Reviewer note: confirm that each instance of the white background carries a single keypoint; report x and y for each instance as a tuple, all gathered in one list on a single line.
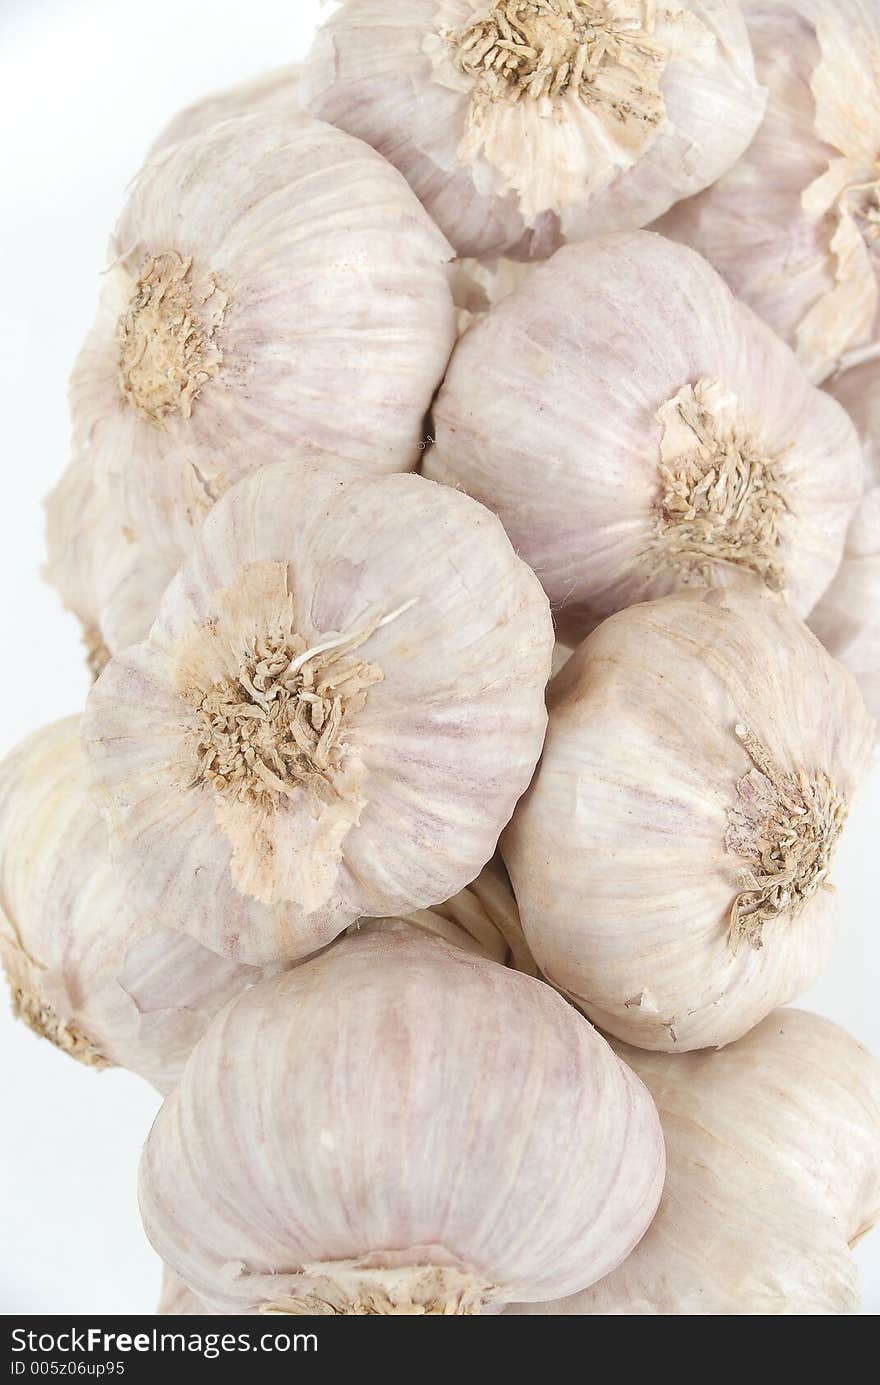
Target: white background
[(85, 85)]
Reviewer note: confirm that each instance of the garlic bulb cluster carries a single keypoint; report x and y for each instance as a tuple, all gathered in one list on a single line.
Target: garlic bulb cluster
[(438, 1135), (773, 1174), (253, 269), (672, 858), (334, 715), (631, 454), (478, 594), (521, 124), (795, 226), (847, 619), (100, 980), (276, 91)]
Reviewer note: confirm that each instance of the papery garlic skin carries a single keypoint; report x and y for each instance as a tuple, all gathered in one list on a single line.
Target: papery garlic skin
[(612, 111), (773, 1174), (275, 91), (482, 918), (629, 454), (672, 859), (795, 226), (478, 284), (85, 968), (561, 654), (254, 269), (847, 619), (176, 1300), (336, 711), (440, 1135)]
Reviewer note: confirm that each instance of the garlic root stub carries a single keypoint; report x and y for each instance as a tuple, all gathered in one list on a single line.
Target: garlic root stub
[(525, 123), (847, 619), (334, 715), (672, 860), (794, 227), (631, 453), (255, 269), (86, 969), (773, 1174), (425, 1132)]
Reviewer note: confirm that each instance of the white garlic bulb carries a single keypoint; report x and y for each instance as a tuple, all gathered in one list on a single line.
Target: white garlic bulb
[(254, 269), (773, 1175), (276, 91), (103, 982), (524, 123), (334, 715), (795, 226), (671, 859), (107, 577), (437, 1134), (847, 619), (629, 454)]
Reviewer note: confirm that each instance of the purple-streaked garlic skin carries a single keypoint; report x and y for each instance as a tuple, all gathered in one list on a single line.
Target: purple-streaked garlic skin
[(793, 225), (87, 969), (419, 739), (255, 267), (773, 1175), (518, 173), (847, 619), (430, 1132), (673, 858), (561, 411)]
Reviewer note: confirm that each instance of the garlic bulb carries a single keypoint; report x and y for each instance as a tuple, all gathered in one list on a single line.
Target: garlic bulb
[(524, 123), (276, 91), (671, 860), (255, 268), (795, 226), (847, 619), (85, 970), (334, 715), (109, 579), (773, 1174), (176, 1300), (432, 1134), (630, 454)]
